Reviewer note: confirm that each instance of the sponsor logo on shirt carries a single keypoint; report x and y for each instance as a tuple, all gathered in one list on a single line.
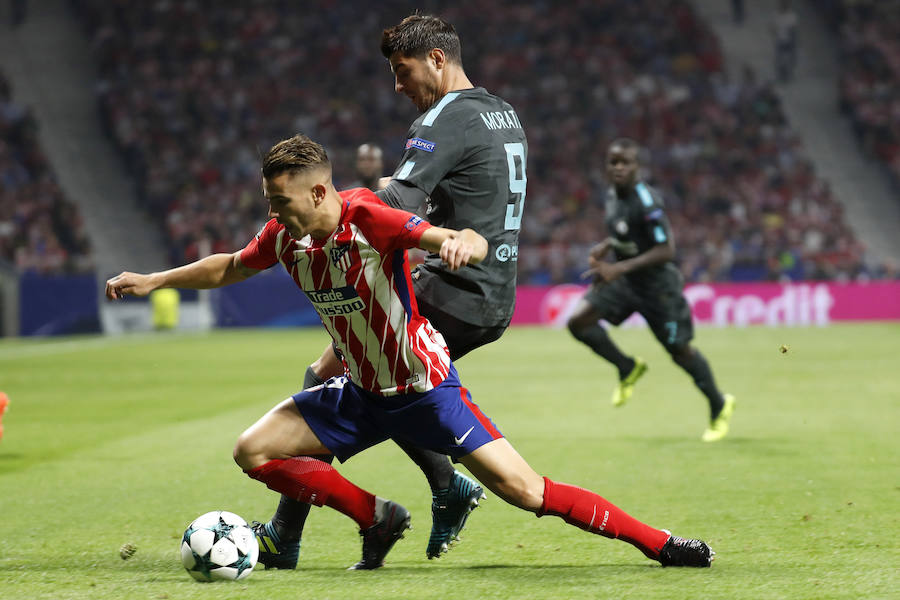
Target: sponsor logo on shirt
[(336, 301), (505, 252), (420, 144), (413, 222)]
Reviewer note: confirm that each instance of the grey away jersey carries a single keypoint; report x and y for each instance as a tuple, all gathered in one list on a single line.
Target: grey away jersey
[(639, 223), (468, 153)]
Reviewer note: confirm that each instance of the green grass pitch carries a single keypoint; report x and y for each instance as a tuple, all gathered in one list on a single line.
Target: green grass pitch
[(114, 441)]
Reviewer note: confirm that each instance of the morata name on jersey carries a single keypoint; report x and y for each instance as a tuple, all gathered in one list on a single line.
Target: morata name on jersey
[(336, 301), (501, 119)]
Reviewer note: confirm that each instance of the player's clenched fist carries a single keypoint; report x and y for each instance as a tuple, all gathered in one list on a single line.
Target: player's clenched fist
[(461, 248), (455, 253)]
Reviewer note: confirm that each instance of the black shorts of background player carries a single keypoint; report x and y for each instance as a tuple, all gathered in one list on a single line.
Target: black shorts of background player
[(642, 279), (463, 165)]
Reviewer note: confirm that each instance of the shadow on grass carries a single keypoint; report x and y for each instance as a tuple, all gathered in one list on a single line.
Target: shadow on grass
[(426, 568), (767, 446)]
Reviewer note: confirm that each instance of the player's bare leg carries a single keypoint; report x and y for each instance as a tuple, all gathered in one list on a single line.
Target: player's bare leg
[(454, 495), (499, 467), (279, 538), (275, 450)]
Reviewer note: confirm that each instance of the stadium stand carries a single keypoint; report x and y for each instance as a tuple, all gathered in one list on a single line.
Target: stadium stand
[(869, 85), (40, 230), (190, 92)]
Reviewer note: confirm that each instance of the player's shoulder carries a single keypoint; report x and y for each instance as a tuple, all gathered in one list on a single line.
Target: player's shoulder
[(610, 194), (367, 211), (358, 194), (649, 197), (461, 106), (271, 228), (611, 199), (362, 205), (477, 97)]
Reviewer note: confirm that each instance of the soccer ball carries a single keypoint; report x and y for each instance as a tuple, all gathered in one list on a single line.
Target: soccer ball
[(219, 545)]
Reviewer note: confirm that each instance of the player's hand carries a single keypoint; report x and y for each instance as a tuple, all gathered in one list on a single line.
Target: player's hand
[(128, 284), (604, 272), (456, 252), (461, 248), (624, 248)]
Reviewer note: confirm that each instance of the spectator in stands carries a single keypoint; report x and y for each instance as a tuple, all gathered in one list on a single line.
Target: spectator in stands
[(234, 79), (40, 231), (869, 86), (784, 32)]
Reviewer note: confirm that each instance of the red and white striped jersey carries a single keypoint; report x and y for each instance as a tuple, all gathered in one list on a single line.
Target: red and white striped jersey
[(358, 281)]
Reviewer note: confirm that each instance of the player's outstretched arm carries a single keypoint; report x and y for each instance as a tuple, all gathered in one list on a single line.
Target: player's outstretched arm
[(456, 248), (213, 271)]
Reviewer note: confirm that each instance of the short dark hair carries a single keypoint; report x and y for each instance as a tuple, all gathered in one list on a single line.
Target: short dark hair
[(417, 35), (626, 144), (294, 155)]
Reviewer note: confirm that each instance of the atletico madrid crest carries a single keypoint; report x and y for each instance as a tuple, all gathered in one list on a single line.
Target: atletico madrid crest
[(340, 258)]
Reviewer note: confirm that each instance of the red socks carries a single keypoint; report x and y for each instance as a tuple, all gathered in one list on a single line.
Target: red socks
[(585, 509), (315, 482)]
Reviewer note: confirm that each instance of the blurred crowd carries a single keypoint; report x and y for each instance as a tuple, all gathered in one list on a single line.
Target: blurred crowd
[(869, 86), (193, 92), (40, 230)]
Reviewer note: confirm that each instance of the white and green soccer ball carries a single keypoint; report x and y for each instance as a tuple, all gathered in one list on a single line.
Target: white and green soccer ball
[(219, 546)]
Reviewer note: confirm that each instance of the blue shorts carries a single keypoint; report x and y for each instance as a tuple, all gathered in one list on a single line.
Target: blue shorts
[(348, 419)]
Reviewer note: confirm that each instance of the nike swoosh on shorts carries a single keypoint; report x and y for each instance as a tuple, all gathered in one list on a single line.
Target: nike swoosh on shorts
[(459, 441)]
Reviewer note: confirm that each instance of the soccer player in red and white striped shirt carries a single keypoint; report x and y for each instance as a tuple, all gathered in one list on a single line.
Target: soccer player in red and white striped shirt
[(357, 278), (348, 255)]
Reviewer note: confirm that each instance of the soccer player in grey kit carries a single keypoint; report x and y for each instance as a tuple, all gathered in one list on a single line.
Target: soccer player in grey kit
[(464, 161), (642, 279)]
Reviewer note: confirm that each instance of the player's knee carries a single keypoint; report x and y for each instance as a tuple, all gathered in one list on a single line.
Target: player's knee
[(248, 453), (681, 354), (576, 327)]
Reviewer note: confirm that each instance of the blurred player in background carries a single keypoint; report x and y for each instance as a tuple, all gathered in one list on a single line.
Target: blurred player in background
[(464, 162), (642, 279), (369, 167), (347, 253)]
